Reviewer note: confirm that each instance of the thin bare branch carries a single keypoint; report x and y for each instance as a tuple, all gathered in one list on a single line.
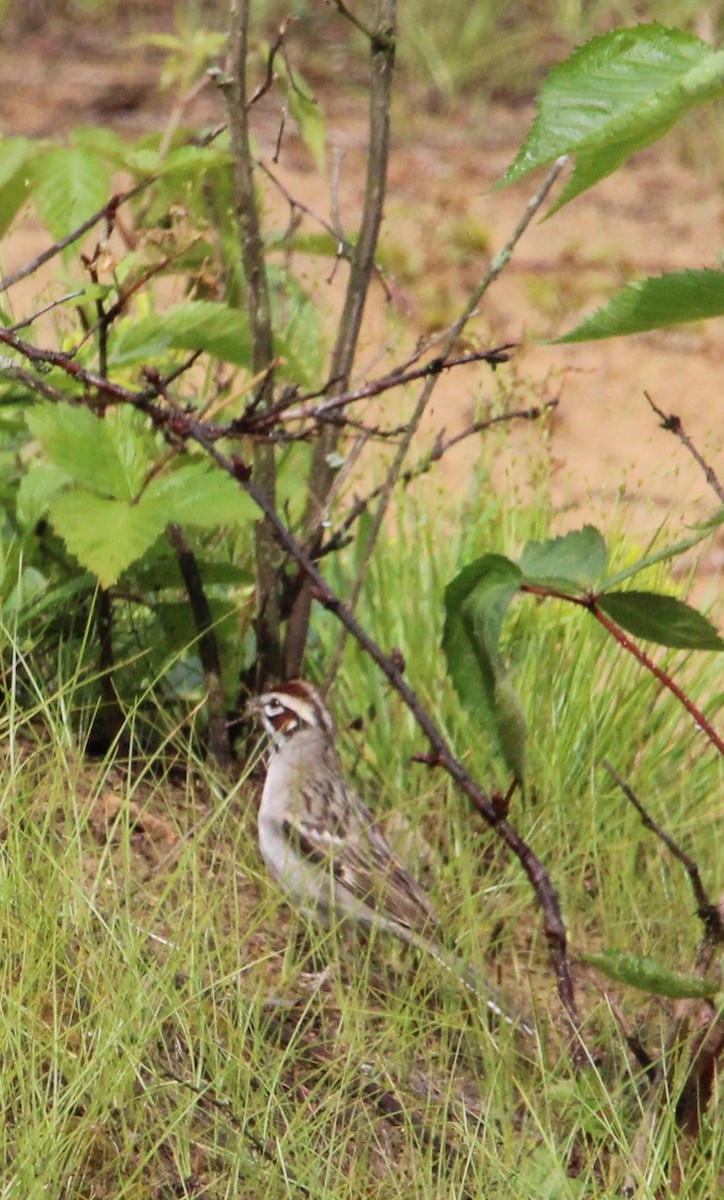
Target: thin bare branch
[(673, 425), (11, 370), (42, 311), (274, 49), (348, 15), (321, 478), (107, 213), (396, 378), (440, 447), (706, 909), (590, 603), (258, 304)]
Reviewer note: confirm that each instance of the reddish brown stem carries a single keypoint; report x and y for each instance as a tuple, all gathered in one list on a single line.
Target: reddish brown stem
[(591, 606)]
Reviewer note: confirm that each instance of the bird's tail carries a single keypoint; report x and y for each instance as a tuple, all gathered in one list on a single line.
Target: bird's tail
[(485, 992)]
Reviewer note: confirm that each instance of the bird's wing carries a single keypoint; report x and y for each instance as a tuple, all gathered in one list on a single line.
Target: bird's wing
[(344, 840)]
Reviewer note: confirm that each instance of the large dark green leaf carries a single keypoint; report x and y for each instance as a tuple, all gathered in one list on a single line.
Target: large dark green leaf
[(661, 619)]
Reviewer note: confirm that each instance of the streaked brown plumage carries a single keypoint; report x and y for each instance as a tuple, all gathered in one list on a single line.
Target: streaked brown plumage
[(322, 844)]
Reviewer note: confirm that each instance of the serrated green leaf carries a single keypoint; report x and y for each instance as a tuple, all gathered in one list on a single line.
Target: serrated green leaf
[(133, 442), (106, 536), (572, 562), (198, 494), (661, 619), (110, 456), (72, 184), (615, 95), (654, 303), (196, 325), (649, 976), (35, 492)]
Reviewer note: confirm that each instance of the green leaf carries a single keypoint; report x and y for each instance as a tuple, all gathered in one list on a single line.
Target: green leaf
[(615, 95), (196, 325), (309, 115), (108, 456), (101, 142), (198, 494), (35, 492), (476, 602), (468, 663), (28, 590), (300, 338), (133, 442), (72, 184), (106, 536), (187, 161), (649, 976), (661, 619), (654, 303), (573, 562), (322, 243), (14, 153), (13, 195), (511, 723)]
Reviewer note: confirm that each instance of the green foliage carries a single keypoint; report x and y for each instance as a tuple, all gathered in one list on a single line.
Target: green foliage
[(650, 976), (476, 601), (197, 325), (478, 598), (89, 490), (68, 186), (574, 562), (615, 95), (655, 303), (661, 619), (90, 487)]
